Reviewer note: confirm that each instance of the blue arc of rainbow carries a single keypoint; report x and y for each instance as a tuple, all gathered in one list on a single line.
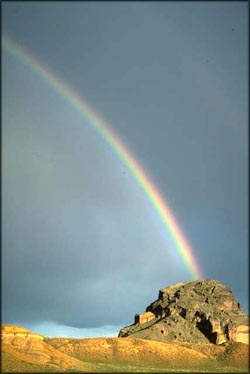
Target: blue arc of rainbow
[(107, 133)]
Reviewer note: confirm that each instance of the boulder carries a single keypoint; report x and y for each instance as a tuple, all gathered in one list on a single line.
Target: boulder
[(201, 311)]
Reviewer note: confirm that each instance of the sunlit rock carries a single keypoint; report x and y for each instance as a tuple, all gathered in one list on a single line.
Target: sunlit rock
[(199, 311)]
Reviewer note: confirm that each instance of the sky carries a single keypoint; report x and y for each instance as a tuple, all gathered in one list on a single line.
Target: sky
[(83, 248)]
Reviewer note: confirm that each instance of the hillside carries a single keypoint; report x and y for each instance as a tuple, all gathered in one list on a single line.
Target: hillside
[(25, 351)]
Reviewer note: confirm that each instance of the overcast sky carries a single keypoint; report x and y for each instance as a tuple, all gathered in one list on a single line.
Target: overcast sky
[(82, 247)]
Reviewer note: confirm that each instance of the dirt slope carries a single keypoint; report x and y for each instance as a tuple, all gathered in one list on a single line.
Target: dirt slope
[(130, 351), (24, 351)]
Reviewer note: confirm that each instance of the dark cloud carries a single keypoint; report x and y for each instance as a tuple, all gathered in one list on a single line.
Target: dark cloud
[(75, 260), (82, 245)]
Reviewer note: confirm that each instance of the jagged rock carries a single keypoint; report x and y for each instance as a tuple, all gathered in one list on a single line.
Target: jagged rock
[(199, 311)]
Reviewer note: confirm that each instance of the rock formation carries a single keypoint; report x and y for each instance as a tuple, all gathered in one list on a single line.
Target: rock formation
[(24, 351), (199, 311), (18, 335)]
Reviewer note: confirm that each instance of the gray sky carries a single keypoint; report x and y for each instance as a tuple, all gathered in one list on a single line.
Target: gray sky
[(82, 246)]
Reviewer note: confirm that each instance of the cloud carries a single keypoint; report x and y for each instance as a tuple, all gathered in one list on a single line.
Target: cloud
[(81, 244)]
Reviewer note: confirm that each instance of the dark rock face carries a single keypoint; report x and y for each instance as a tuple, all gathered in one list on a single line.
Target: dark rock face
[(199, 311)]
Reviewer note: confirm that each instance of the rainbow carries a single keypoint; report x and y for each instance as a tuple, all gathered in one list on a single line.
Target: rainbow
[(105, 131)]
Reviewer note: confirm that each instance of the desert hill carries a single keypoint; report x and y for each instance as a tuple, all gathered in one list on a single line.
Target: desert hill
[(25, 351), (199, 312)]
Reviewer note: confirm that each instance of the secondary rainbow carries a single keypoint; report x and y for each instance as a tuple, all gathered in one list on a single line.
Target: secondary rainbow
[(116, 143)]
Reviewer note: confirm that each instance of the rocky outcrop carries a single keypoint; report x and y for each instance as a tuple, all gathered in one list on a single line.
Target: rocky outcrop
[(199, 311), (24, 351), (19, 336)]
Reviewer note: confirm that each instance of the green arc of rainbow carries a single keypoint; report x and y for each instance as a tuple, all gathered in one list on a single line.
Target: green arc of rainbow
[(117, 145)]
